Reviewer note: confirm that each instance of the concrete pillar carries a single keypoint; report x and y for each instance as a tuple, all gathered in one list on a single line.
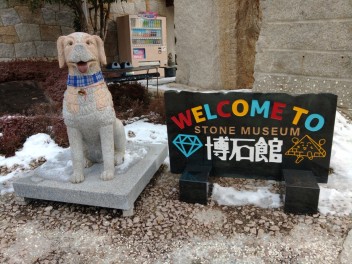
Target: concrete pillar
[(216, 42), (197, 43)]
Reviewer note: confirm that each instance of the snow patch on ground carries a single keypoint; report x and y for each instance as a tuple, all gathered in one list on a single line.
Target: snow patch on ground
[(36, 146), (261, 198), (146, 132), (335, 196)]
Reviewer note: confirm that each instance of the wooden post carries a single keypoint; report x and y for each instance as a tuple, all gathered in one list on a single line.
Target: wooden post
[(147, 5)]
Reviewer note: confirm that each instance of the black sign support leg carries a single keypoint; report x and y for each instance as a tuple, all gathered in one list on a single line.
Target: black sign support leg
[(301, 192), (194, 185)]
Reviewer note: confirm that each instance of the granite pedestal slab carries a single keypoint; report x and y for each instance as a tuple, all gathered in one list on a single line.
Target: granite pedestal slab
[(51, 181)]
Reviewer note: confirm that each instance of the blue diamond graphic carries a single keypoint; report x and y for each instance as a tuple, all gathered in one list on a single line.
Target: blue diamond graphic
[(187, 144)]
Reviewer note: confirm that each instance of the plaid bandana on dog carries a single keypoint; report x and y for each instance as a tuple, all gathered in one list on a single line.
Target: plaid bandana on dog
[(85, 80)]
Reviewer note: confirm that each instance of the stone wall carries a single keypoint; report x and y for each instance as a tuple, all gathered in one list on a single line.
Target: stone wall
[(306, 46), (24, 34), (216, 42)]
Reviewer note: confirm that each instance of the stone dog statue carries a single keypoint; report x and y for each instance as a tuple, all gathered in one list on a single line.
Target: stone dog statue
[(94, 132)]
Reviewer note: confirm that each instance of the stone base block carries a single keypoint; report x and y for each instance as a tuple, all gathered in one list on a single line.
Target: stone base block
[(194, 186), (118, 193), (302, 192)]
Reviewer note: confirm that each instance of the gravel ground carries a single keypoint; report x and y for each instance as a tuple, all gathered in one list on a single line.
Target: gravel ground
[(165, 230)]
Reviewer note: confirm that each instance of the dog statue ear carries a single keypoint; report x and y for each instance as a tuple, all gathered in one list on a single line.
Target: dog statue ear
[(60, 51), (101, 50)]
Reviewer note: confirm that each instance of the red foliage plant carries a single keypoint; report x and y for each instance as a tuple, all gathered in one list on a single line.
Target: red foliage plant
[(16, 129), (130, 100), (43, 118), (51, 78), (59, 132)]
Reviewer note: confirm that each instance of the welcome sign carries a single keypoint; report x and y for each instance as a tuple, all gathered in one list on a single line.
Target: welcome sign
[(253, 135)]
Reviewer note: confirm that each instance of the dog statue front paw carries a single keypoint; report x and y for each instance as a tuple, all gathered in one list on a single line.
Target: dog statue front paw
[(119, 158), (77, 177), (107, 175), (88, 163)]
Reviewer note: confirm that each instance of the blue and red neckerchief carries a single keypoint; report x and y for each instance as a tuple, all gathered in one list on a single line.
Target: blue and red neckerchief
[(84, 80)]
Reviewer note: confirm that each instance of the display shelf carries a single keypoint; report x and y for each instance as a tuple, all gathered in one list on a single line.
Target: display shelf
[(146, 23), (145, 28), (146, 33), (146, 42), (146, 37)]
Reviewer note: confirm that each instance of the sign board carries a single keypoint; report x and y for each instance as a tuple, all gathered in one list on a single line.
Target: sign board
[(150, 15), (139, 53), (251, 135)]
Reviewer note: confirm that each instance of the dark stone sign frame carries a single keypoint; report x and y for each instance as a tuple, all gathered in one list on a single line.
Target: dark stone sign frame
[(250, 135)]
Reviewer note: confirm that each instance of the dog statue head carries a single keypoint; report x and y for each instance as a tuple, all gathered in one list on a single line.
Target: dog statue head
[(82, 53)]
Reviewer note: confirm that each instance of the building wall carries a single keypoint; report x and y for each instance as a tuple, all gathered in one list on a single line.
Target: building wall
[(305, 46), (24, 34)]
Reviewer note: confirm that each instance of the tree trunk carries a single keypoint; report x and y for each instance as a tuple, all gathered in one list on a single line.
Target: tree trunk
[(76, 5), (83, 21), (94, 20), (101, 28), (107, 14)]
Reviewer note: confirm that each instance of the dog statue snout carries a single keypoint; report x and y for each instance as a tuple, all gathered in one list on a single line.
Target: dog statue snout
[(80, 53)]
